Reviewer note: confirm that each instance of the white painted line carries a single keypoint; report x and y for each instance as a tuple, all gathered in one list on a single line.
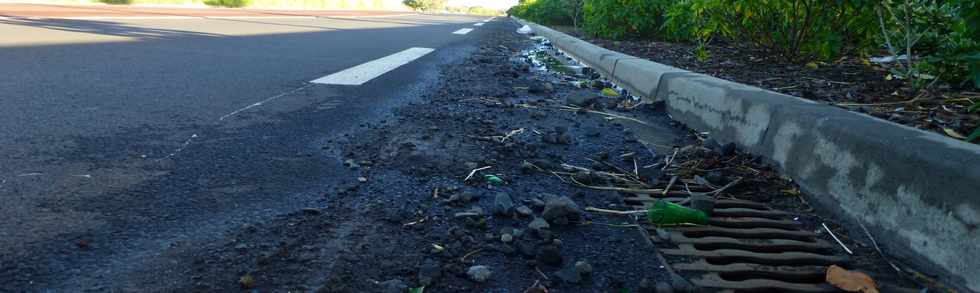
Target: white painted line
[(360, 74), (463, 31), (478, 24)]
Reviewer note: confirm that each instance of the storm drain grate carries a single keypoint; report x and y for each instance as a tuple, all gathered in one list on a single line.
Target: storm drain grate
[(747, 247)]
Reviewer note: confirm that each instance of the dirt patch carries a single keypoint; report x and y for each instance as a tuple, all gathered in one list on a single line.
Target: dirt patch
[(479, 188)]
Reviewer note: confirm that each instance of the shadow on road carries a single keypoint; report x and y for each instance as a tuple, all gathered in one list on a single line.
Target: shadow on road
[(104, 28)]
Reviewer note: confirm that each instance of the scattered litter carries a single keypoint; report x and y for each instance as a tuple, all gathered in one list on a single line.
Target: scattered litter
[(493, 179), (667, 213), (850, 281), (610, 92), (888, 59), (835, 238), (525, 30)]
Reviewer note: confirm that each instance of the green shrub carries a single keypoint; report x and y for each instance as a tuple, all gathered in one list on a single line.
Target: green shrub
[(117, 1), (552, 12), (426, 5), (621, 19), (941, 38), (228, 3)]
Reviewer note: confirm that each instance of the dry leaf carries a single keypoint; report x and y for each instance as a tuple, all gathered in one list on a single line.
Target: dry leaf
[(850, 281), (953, 133)]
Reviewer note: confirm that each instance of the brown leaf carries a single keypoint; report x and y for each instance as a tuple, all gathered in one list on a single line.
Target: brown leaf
[(850, 281)]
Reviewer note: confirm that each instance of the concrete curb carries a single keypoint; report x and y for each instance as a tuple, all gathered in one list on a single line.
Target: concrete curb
[(918, 192)]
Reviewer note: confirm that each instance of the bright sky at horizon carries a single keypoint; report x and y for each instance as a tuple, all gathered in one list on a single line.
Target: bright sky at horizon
[(495, 4)]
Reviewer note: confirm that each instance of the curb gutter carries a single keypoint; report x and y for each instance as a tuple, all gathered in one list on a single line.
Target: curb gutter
[(918, 192)]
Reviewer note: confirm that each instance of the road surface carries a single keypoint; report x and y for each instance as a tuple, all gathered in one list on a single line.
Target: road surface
[(127, 137)]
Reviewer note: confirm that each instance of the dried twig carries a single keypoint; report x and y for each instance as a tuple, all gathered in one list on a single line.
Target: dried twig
[(610, 115), (670, 159), (913, 100), (723, 188), (463, 259), (511, 133), (875, 244), (835, 238), (669, 185), (474, 172), (621, 189), (614, 212)]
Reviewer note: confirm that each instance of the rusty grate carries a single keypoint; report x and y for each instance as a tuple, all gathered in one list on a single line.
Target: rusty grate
[(747, 247)]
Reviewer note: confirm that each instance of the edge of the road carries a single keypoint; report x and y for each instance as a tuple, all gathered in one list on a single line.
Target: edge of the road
[(916, 191)]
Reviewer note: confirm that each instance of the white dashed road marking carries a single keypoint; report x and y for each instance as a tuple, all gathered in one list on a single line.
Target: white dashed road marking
[(360, 74), (478, 24), (463, 31)]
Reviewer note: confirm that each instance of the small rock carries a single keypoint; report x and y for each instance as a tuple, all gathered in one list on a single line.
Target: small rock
[(549, 254), (479, 274), (503, 205), (581, 98), (561, 210), (526, 249), (524, 211), (311, 211), (246, 282), (506, 238), (568, 276), (583, 268), (429, 272), (393, 286), (538, 225), (543, 87), (536, 203)]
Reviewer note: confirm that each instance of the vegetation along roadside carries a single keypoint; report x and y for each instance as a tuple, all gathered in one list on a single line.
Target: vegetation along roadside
[(914, 62)]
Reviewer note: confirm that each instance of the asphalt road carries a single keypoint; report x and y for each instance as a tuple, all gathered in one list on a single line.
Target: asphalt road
[(125, 142)]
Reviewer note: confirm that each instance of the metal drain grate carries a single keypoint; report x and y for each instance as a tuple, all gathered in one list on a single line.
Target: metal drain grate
[(748, 247)]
